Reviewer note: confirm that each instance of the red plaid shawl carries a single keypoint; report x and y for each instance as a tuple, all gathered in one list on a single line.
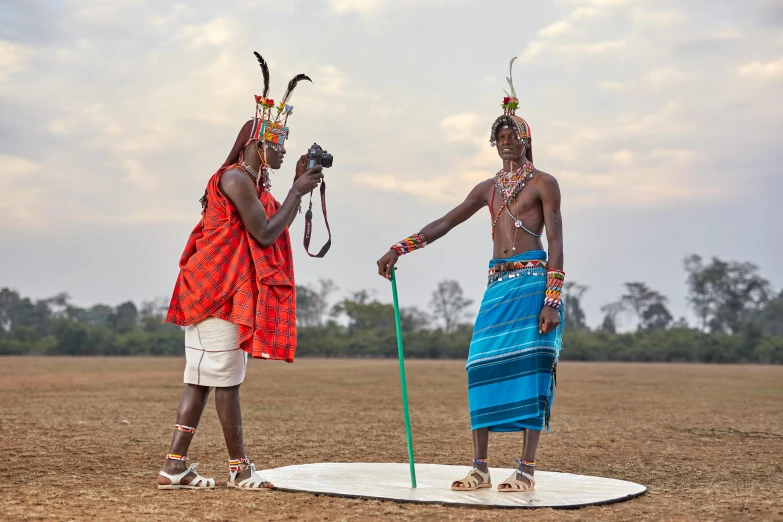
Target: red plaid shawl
[(225, 273)]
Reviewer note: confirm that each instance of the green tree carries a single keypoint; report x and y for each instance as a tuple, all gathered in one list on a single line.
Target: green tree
[(612, 313), (647, 305), (575, 318), (449, 304), (771, 318), (306, 308), (725, 295), (125, 318), (100, 314), (312, 303)]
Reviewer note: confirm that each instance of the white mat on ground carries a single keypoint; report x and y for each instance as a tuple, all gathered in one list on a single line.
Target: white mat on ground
[(392, 482)]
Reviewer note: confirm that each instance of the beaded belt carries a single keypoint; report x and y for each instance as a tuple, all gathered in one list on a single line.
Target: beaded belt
[(496, 273)]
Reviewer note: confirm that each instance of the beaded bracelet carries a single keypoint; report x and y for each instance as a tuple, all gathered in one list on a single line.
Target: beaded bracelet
[(409, 244), (554, 288)]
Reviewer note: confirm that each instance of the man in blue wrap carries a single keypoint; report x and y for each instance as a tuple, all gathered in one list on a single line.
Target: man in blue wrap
[(517, 337)]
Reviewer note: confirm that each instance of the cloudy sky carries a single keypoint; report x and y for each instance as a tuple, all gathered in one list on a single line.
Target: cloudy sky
[(661, 120)]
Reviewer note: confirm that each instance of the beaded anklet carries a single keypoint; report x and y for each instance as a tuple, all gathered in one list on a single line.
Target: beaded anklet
[(184, 429), (238, 464), (174, 456)]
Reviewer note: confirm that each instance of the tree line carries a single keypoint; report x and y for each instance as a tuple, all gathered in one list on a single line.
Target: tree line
[(739, 319)]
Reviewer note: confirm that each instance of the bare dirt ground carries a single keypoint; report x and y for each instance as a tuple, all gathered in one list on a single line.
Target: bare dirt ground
[(704, 439)]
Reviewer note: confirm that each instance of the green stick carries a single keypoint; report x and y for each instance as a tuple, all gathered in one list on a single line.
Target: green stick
[(402, 379)]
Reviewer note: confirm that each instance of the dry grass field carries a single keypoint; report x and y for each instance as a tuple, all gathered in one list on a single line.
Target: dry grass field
[(706, 440)]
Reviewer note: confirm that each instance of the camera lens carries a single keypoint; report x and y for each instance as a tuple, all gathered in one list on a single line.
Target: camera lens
[(327, 161)]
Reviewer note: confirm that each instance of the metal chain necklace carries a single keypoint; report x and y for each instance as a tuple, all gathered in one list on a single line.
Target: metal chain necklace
[(510, 184), (518, 224), (516, 229), (255, 175)]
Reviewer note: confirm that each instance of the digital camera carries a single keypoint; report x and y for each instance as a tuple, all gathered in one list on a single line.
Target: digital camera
[(316, 156)]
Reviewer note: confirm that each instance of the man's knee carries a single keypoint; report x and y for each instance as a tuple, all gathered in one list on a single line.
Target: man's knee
[(227, 391)]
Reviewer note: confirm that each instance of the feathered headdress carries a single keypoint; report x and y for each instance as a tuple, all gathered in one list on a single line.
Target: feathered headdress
[(270, 122), (510, 105)]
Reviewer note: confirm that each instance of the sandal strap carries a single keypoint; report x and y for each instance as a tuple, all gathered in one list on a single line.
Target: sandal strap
[(529, 477), (470, 479), (517, 484), (198, 481), (254, 481)]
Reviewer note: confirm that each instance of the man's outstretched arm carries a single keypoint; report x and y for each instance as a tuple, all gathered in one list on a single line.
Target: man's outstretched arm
[(442, 226)]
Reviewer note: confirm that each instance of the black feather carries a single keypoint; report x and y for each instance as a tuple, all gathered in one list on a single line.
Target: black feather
[(265, 72), (292, 84)]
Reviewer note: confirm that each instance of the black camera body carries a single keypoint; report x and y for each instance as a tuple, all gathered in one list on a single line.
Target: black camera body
[(316, 156)]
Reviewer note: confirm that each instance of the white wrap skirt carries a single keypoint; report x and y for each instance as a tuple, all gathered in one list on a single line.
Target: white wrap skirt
[(212, 354)]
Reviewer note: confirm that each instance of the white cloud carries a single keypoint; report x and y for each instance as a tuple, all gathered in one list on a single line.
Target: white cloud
[(606, 3), (439, 189), (560, 150), (12, 57), (728, 33), (762, 69), (100, 12), (556, 29), (460, 127), (139, 176), (173, 16), (660, 18), (537, 47), (13, 166), (585, 12), (363, 7), (665, 121), (59, 126), (623, 157), (611, 86), (533, 49), (663, 77), (22, 200), (681, 157), (591, 48), (217, 32), (149, 215), (330, 80)]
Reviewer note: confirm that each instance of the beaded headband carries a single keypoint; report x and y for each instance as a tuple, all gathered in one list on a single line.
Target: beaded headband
[(271, 121), (510, 105)]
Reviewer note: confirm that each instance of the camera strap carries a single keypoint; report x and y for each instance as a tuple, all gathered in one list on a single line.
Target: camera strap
[(309, 224)]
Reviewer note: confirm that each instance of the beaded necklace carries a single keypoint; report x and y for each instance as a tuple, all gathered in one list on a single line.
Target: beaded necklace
[(255, 175), (509, 184)]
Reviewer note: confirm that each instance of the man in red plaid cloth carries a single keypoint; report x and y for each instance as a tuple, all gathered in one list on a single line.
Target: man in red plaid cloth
[(235, 294)]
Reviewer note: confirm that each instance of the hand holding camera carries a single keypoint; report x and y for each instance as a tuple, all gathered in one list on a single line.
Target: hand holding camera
[(309, 169), (306, 181)]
